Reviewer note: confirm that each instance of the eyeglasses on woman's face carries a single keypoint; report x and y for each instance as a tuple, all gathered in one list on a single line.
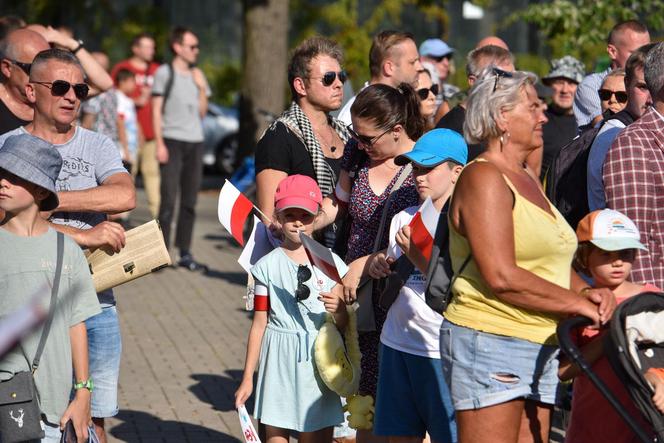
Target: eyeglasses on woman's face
[(364, 140)]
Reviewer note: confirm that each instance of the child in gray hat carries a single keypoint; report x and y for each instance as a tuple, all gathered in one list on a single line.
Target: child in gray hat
[(29, 167)]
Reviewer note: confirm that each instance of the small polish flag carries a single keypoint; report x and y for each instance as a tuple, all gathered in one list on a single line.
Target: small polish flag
[(320, 256), (423, 227), (259, 244), (233, 210)]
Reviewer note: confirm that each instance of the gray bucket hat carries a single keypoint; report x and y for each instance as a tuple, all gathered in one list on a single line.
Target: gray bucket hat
[(35, 160), (567, 67)]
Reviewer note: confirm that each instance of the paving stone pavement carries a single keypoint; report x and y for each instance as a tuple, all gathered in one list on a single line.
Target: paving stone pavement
[(184, 337)]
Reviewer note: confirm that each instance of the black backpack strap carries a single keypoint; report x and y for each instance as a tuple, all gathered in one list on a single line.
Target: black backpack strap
[(54, 296)]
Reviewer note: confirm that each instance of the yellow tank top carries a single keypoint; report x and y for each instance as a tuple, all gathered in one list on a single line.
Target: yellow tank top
[(543, 245)]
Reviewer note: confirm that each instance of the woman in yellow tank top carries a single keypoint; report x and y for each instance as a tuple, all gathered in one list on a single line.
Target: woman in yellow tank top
[(498, 342)]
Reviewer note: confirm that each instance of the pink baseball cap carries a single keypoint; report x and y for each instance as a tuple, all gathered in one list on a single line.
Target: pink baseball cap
[(298, 191)]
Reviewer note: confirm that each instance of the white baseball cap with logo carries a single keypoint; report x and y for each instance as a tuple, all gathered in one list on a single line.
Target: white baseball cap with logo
[(609, 230)]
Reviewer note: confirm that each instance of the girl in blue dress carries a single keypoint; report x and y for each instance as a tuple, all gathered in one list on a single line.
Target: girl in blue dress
[(290, 305)]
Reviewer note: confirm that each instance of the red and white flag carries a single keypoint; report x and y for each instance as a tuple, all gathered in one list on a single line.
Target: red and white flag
[(233, 210), (260, 243), (320, 256), (423, 227)]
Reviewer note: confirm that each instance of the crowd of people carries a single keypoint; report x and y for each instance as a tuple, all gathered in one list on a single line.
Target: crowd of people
[(485, 365)]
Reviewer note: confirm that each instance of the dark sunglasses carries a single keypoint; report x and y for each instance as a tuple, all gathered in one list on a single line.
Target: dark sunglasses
[(424, 92), (303, 274), (364, 140), (605, 94), (329, 77), (499, 73), (440, 58), (25, 67), (60, 87)]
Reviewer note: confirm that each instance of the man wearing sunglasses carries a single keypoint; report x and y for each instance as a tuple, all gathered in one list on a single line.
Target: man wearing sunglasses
[(563, 78), (179, 102), (92, 183), (638, 102), (393, 59), (18, 50), (305, 139)]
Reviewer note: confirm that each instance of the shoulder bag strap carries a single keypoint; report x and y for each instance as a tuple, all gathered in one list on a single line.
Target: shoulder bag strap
[(54, 296), (403, 175), (454, 277)]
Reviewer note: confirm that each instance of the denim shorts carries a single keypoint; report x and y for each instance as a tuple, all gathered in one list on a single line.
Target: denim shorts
[(105, 349), (412, 398), (485, 369)]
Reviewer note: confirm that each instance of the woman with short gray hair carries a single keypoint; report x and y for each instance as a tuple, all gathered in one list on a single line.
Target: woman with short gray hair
[(511, 252)]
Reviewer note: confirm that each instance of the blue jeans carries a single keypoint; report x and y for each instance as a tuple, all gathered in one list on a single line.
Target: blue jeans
[(105, 349), (485, 369)]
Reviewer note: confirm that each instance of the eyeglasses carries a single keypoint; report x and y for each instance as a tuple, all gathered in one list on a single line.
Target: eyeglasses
[(329, 77), (25, 67), (60, 87), (364, 140), (424, 92), (499, 73), (605, 94), (303, 274)]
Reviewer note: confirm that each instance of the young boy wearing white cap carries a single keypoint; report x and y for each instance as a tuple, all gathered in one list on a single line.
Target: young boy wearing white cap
[(608, 244), (31, 249)]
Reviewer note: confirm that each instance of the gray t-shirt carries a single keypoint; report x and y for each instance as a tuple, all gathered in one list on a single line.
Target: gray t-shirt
[(27, 269), (88, 159), (180, 119)]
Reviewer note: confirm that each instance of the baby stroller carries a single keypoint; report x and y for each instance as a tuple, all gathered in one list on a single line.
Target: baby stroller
[(634, 344)]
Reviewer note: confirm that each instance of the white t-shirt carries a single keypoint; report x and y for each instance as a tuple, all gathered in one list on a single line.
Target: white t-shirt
[(127, 110), (411, 326)]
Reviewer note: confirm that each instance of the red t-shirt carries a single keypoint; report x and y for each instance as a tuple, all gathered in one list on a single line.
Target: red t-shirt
[(593, 419), (144, 79)]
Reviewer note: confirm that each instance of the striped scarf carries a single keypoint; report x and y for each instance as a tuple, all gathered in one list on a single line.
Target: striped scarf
[(296, 120)]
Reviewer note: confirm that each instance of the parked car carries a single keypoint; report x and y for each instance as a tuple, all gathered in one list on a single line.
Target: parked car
[(221, 127)]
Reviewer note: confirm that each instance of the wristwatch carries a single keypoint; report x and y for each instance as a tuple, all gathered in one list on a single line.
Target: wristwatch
[(78, 48), (87, 384)]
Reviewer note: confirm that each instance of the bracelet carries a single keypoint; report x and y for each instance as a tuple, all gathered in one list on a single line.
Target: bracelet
[(584, 290), (87, 384), (78, 48)]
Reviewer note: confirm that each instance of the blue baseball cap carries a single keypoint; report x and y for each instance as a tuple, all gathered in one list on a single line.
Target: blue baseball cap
[(435, 147), (435, 47)]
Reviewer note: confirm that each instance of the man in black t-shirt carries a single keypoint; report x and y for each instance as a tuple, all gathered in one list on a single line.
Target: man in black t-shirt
[(565, 75), (478, 60), (305, 139)]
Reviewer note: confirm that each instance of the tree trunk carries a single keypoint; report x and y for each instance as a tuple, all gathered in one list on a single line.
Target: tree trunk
[(265, 60)]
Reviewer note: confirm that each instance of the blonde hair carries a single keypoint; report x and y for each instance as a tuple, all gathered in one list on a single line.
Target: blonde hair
[(490, 95)]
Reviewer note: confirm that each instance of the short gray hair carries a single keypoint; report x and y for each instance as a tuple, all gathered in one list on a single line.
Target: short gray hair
[(484, 56), (484, 104), (653, 72)]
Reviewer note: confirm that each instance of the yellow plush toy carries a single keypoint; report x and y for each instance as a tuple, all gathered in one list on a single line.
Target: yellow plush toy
[(338, 364)]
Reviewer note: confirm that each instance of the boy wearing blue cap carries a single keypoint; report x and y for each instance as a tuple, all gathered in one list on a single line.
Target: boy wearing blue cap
[(412, 397), (31, 251)]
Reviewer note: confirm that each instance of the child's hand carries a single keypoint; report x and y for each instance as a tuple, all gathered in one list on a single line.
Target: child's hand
[(403, 239), (658, 384), (379, 265), (333, 300), (243, 392)]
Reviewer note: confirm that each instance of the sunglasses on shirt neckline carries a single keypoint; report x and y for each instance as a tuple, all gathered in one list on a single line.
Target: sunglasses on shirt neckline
[(60, 87), (302, 291)]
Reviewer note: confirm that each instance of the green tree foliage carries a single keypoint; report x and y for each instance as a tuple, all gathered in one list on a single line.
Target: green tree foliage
[(580, 27), (353, 23)]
